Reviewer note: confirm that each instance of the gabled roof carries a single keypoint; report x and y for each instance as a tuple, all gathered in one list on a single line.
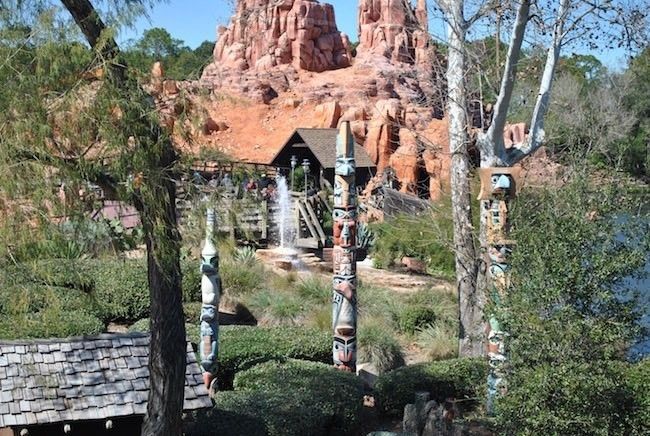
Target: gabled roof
[(88, 378), (322, 142)]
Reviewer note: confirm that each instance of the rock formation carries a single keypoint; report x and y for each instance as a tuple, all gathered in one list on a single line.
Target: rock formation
[(394, 29), (289, 56), (266, 33)]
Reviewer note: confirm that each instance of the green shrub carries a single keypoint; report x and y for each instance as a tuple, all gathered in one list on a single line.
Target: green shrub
[(286, 398), (241, 279), (191, 280), (595, 398), (121, 288), (412, 318), (141, 325), (457, 378), (241, 347), (44, 311), (276, 307), (378, 346), (439, 340), (314, 289), (426, 237), (326, 401), (638, 384)]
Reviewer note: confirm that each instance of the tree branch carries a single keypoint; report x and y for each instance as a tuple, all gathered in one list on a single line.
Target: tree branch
[(536, 134), (492, 146)]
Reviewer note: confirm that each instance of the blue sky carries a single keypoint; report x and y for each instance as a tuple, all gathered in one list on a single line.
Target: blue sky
[(195, 21)]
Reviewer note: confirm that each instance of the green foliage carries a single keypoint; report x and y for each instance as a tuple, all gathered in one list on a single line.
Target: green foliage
[(290, 398), (438, 340), (314, 289), (179, 61), (414, 317), (426, 237), (242, 347), (588, 398), (376, 344), (569, 312), (564, 305), (36, 310), (121, 289), (240, 279), (456, 378), (286, 398)]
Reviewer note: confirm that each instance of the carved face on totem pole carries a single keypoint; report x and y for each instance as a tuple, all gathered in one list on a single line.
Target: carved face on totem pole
[(344, 301), (344, 260)]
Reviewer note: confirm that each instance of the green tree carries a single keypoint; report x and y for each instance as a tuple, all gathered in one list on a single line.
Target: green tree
[(73, 113), (570, 310)]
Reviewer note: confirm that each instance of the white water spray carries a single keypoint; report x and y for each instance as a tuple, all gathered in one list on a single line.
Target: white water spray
[(285, 216)]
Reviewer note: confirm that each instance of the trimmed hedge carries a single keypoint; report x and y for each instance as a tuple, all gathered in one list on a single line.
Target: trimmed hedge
[(287, 398), (456, 378), (241, 347)]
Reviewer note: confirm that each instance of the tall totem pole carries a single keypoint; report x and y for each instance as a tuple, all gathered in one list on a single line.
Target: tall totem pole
[(344, 302), (498, 189), (210, 294)]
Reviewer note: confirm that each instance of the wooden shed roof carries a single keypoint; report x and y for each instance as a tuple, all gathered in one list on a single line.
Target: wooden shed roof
[(322, 143), (87, 378)]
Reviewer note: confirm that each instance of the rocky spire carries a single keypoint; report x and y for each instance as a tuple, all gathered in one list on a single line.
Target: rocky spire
[(393, 29), (265, 33)]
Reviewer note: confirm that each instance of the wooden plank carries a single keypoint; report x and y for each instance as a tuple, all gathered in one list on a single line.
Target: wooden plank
[(316, 222), (305, 216), (308, 243)]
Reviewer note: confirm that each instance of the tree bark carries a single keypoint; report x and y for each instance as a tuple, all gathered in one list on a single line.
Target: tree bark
[(167, 349), (471, 330), (155, 202)]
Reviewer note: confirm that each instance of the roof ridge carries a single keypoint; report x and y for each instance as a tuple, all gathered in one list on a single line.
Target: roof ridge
[(98, 337)]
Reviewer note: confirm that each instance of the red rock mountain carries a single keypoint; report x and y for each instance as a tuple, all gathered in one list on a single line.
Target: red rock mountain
[(283, 64)]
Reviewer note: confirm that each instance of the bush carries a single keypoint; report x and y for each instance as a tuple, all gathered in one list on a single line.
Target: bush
[(596, 398), (426, 237), (121, 288), (241, 347), (276, 307), (378, 346), (241, 279), (287, 398), (41, 311), (413, 318), (458, 378)]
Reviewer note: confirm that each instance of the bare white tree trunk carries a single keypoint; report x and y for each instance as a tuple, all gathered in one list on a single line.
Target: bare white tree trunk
[(536, 135), (491, 143), (471, 340)]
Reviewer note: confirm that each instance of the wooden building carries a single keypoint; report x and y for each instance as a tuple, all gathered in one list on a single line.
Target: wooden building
[(319, 146), (82, 386)]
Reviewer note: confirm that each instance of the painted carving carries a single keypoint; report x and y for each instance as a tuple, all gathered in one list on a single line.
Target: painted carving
[(498, 189), (344, 299), (210, 294)]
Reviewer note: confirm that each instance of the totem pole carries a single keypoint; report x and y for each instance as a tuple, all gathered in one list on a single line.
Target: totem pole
[(210, 294), (344, 303), (498, 189)]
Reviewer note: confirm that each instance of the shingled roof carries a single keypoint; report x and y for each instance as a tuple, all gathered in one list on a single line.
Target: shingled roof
[(322, 142), (87, 378)]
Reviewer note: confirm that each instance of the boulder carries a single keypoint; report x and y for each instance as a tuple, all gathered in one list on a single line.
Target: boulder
[(327, 114)]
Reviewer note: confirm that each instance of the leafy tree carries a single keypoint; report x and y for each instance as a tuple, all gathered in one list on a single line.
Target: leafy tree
[(74, 114), (570, 311), (558, 24), (180, 62)]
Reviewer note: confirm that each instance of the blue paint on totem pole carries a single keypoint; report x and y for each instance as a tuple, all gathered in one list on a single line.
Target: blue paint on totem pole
[(344, 298)]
